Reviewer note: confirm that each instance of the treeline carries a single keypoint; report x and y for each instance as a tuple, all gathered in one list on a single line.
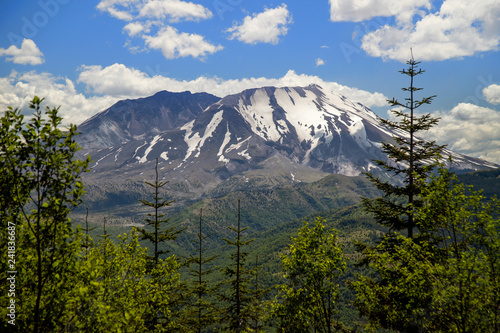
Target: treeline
[(436, 269)]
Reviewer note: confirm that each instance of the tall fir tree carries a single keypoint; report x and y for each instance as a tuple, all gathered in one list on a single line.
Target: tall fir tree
[(200, 311), (387, 299), (238, 313), (410, 159), (156, 220), (156, 234)]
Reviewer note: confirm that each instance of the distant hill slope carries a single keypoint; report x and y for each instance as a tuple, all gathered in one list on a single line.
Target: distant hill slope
[(486, 180)]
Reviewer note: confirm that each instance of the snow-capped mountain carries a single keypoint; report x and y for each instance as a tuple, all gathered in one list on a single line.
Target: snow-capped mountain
[(309, 127)]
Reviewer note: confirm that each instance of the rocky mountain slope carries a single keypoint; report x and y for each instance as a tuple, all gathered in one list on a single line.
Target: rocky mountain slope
[(130, 120)]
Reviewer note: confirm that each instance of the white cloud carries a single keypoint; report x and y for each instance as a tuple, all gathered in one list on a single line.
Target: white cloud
[(265, 27), (120, 9), (17, 90), (492, 94), (148, 20), (319, 62), (362, 10), (176, 10), (27, 54), (457, 29), (122, 82), (471, 130), (135, 28), (177, 45)]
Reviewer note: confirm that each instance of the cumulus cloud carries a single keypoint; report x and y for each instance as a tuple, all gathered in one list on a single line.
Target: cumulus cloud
[(28, 54), (18, 89), (122, 82), (456, 29), (492, 93), (265, 27), (176, 10), (135, 28), (471, 130), (148, 20), (178, 45), (120, 9), (362, 10)]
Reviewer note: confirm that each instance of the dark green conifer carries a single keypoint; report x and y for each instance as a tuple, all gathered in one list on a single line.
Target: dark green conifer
[(200, 312), (411, 159), (156, 219), (238, 314)]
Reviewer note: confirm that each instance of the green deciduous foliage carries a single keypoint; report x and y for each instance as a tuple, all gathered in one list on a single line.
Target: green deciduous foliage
[(448, 282), (39, 185), (113, 293), (63, 283), (410, 159), (312, 266)]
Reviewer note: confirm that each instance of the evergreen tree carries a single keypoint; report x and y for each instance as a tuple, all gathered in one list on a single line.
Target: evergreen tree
[(238, 314), (261, 308), (410, 159), (201, 312), (157, 236), (156, 219)]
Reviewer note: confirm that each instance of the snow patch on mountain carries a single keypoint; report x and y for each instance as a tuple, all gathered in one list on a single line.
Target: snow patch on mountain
[(245, 154), (137, 149), (238, 145), (227, 139), (258, 112), (155, 140), (194, 140), (118, 153)]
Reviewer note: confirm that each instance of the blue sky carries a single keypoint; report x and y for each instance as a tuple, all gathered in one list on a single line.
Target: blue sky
[(87, 54)]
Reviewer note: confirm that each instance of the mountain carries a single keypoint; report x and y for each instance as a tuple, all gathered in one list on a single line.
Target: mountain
[(208, 147), (130, 120), (310, 127)]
